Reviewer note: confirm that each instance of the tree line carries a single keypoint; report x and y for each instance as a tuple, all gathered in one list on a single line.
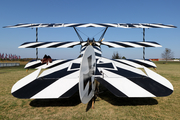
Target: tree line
[(9, 56)]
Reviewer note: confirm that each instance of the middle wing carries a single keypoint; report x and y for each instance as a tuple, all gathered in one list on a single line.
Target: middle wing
[(69, 44), (113, 44), (59, 81)]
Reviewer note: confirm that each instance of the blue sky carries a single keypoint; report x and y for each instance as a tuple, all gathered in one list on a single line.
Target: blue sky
[(89, 11)]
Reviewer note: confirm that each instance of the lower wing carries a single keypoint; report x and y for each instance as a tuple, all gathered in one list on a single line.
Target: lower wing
[(125, 80), (59, 81)]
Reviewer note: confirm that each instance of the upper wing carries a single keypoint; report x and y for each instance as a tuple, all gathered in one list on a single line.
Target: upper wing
[(118, 25), (59, 81), (125, 80)]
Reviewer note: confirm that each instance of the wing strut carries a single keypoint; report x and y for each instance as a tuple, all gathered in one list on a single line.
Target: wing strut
[(80, 38), (143, 41), (103, 34), (36, 41)]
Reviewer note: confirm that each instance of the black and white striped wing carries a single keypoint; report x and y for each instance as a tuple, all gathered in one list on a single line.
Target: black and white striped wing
[(124, 80), (113, 44), (137, 63), (59, 81), (49, 44), (117, 25)]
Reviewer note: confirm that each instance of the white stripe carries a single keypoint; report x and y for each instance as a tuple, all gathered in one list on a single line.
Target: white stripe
[(130, 63), (32, 63), (112, 44), (49, 44), (151, 44), (44, 66), (97, 51), (131, 44), (90, 24), (123, 66), (161, 26), (59, 67), (68, 44), (30, 44)]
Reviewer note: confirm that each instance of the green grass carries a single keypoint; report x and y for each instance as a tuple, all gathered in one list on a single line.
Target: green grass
[(107, 106)]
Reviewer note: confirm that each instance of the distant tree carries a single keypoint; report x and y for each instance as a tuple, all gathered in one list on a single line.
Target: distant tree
[(167, 54), (116, 55), (123, 57)]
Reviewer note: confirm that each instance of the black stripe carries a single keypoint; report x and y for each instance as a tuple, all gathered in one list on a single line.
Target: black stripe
[(106, 25), (97, 54), (70, 92), (122, 44), (59, 74), (74, 45), (83, 49), (140, 63), (151, 26), (75, 25), (75, 65), (97, 71), (105, 65), (58, 45), (35, 65), (110, 87), (122, 62), (97, 48), (39, 84), (107, 45), (26, 43), (33, 88), (143, 44), (126, 73), (38, 45), (147, 83)]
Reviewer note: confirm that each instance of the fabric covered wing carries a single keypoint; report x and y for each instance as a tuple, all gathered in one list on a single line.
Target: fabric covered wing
[(117, 25), (113, 44), (127, 81), (69, 44), (60, 81)]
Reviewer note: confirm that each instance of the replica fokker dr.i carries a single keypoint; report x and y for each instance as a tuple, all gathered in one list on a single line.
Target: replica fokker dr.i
[(65, 77)]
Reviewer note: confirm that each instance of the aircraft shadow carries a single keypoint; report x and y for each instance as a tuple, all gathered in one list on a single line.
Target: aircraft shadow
[(105, 95), (112, 99), (72, 101)]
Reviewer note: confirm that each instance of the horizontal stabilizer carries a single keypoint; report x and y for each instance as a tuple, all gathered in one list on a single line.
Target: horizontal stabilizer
[(113, 44), (49, 44)]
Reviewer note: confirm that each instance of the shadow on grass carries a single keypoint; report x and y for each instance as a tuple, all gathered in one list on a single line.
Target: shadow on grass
[(72, 101), (106, 95), (110, 98)]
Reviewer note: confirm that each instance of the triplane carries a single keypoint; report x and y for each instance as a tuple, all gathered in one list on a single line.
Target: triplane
[(63, 78)]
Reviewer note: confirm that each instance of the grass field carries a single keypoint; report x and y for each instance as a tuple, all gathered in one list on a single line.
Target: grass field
[(107, 106)]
